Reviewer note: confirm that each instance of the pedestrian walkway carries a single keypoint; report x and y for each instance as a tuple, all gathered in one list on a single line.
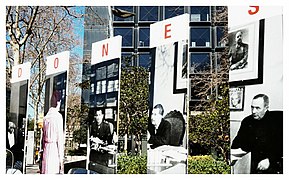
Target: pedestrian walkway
[(32, 169)]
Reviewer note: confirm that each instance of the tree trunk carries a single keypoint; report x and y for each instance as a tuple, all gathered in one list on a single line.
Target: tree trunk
[(16, 54), (125, 143), (132, 144)]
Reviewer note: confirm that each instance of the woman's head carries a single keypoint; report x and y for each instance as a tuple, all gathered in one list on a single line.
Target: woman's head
[(56, 97)]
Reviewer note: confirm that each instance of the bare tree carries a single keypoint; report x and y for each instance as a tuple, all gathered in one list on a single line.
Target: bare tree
[(32, 34)]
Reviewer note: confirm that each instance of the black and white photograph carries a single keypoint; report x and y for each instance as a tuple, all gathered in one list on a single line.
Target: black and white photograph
[(257, 129), (167, 147), (236, 96), (167, 137), (246, 46), (103, 113), (238, 54)]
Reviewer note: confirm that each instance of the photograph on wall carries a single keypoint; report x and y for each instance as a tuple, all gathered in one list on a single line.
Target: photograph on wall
[(256, 131), (167, 136), (167, 147), (236, 96), (103, 106), (103, 115), (17, 120), (16, 128), (53, 130), (246, 44)]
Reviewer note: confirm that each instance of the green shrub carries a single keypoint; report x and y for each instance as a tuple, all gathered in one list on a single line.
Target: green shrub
[(129, 164), (207, 165)]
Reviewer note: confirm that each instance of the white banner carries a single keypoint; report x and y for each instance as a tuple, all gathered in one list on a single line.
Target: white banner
[(106, 49), (240, 15), (57, 63), (21, 72), (170, 30)]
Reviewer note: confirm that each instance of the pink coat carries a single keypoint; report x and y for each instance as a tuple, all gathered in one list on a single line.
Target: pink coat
[(53, 142)]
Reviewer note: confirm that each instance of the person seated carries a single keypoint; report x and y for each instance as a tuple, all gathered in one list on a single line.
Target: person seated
[(169, 130), (100, 131)]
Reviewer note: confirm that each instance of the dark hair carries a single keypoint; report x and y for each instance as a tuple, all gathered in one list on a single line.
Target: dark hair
[(161, 109), (56, 96), (265, 98), (102, 111)]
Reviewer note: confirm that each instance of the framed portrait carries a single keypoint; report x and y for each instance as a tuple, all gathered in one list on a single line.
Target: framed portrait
[(246, 51), (236, 98), (180, 67)]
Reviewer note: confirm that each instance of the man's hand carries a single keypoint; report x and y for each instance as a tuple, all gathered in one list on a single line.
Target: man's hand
[(263, 165), (96, 140)]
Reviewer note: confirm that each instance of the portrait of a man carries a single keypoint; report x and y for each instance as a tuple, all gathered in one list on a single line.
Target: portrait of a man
[(238, 53)]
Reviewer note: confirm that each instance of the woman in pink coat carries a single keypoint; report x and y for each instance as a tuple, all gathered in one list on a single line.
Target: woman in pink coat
[(53, 142)]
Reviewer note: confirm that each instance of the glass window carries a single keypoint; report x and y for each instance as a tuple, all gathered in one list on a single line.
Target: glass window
[(201, 37), (220, 32), (148, 13), (127, 36), (126, 59), (129, 9), (200, 63), (144, 37), (145, 60), (200, 13), (201, 89), (92, 36), (221, 62), (172, 11)]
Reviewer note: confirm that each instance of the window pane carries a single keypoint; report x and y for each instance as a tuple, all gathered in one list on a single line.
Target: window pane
[(220, 35), (200, 37), (201, 89), (221, 62), (124, 8), (148, 13), (126, 59), (200, 63), (200, 13), (172, 11), (145, 60), (144, 37), (127, 36)]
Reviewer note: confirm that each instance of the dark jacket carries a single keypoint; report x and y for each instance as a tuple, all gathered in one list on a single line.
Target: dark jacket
[(264, 139), (239, 54), (162, 136), (103, 133)]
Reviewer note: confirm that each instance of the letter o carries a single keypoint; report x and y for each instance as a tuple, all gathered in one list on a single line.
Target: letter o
[(56, 63), (19, 72)]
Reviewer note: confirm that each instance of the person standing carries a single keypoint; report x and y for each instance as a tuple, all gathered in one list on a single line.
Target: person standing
[(261, 133), (53, 138)]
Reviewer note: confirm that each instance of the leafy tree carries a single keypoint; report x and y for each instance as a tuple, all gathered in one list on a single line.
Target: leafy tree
[(211, 127), (133, 101)]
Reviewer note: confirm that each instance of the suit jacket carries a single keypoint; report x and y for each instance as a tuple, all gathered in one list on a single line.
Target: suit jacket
[(239, 54), (264, 139), (162, 135), (103, 132)]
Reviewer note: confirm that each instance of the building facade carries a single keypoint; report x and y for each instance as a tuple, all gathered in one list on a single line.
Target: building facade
[(208, 25)]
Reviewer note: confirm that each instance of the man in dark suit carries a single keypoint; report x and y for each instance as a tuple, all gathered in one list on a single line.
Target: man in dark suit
[(100, 130), (261, 133), (238, 53), (161, 135)]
